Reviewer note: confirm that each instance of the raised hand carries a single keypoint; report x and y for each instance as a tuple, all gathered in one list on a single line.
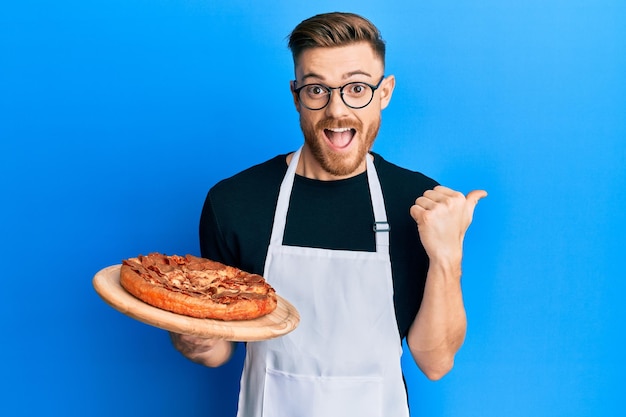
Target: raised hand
[(443, 216)]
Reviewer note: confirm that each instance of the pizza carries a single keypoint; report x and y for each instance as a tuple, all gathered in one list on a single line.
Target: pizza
[(197, 287)]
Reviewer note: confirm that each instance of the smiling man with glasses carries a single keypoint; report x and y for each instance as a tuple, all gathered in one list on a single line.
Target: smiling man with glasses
[(368, 252)]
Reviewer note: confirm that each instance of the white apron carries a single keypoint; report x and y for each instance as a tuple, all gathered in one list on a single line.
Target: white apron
[(343, 360)]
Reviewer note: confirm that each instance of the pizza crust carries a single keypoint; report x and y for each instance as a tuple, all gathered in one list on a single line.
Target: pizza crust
[(197, 287)]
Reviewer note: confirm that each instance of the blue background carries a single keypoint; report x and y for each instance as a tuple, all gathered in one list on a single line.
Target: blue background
[(117, 116)]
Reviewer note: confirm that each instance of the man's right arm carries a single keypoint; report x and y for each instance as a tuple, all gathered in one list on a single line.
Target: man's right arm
[(211, 352)]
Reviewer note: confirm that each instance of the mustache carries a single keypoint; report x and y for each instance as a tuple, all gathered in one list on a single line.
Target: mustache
[(330, 123)]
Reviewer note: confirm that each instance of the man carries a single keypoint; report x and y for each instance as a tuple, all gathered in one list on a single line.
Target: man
[(368, 252)]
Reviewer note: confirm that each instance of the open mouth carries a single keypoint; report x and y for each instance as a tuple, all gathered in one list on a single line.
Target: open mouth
[(340, 138)]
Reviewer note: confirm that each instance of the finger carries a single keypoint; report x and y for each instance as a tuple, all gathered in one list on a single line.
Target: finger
[(445, 190), (417, 212), (192, 341), (476, 195), (433, 195), (427, 201), (441, 194)]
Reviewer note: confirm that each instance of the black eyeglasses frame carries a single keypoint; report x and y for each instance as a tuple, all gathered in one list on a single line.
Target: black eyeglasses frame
[(340, 88)]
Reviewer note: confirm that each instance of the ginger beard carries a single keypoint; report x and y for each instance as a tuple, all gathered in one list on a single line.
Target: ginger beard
[(334, 162)]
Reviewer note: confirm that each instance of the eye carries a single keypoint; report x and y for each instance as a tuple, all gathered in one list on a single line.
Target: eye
[(315, 90), (356, 89)]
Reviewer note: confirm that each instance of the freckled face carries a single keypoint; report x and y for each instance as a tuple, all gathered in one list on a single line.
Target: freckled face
[(337, 137)]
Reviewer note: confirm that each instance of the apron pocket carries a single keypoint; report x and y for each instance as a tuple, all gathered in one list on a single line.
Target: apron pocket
[(289, 395)]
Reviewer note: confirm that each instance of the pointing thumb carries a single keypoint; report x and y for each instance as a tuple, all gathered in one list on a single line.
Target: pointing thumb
[(476, 195)]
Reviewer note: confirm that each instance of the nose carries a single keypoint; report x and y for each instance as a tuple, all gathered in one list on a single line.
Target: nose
[(336, 108)]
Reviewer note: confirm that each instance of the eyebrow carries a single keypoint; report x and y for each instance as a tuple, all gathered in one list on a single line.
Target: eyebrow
[(345, 76)]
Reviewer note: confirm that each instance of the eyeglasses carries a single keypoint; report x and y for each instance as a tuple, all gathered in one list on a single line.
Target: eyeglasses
[(355, 95)]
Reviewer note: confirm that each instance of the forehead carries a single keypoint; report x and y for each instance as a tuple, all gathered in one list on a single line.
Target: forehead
[(338, 63)]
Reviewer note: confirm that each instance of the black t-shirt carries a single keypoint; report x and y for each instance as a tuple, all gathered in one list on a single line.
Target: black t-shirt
[(238, 214)]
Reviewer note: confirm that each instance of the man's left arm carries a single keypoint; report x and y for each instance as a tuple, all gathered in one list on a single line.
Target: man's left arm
[(438, 331)]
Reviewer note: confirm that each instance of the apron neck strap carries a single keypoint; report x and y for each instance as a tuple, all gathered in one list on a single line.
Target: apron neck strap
[(381, 227)]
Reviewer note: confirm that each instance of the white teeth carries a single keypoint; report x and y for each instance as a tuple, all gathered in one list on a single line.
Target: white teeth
[(339, 130)]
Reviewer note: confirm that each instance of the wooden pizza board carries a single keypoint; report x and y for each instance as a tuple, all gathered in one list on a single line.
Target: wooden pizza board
[(278, 323)]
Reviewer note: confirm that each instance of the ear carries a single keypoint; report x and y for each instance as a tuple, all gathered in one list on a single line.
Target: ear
[(386, 90), (296, 101)]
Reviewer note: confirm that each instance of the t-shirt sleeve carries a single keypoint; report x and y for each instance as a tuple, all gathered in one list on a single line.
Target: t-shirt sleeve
[(212, 243)]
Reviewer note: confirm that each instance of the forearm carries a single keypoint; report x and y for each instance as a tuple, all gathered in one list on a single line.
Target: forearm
[(207, 352), (438, 330)]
